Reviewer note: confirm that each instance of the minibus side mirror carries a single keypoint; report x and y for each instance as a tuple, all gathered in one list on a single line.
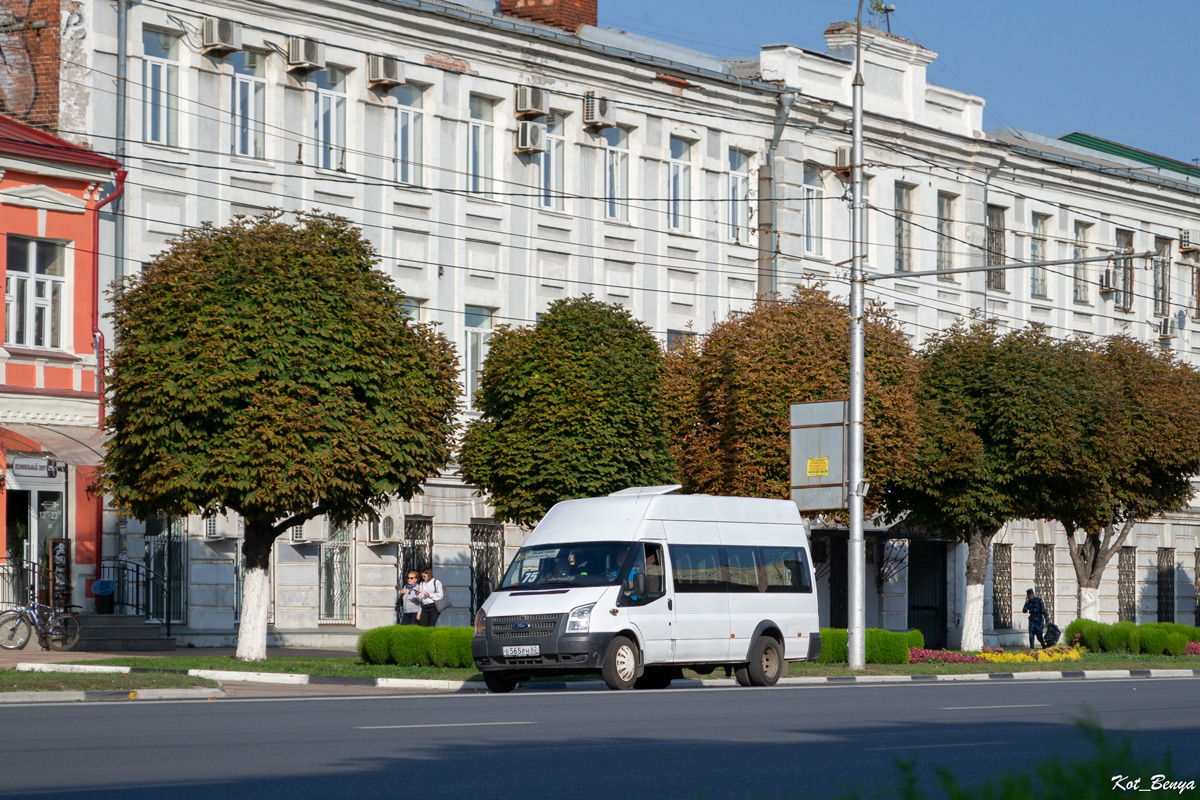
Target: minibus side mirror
[(639, 585)]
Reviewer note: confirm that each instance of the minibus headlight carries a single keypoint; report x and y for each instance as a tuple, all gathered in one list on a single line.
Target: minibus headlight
[(580, 619), (480, 623)]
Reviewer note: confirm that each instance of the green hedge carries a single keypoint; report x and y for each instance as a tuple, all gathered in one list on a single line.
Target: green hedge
[(416, 646), (1154, 639), (882, 647), (1126, 637), (1176, 643), (1190, 633), (833, 646)]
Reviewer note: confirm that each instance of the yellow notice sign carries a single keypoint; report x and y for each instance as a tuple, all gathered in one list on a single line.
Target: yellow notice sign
[(818, 467)]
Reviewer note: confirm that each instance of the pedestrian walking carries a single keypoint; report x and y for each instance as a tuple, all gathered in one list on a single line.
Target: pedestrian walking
[(433, 596), (410, 599), (1036, 610)]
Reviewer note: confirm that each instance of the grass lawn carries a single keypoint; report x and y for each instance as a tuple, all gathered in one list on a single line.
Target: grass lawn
[(13, 681), (352, 667)]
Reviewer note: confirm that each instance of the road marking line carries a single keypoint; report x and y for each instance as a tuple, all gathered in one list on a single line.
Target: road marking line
[(440, 725), (980, 708), (932, 746)]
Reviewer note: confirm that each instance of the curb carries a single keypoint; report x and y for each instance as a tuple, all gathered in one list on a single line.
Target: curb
[(17, 698)]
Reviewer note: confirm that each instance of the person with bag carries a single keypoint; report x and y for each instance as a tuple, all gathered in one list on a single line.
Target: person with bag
[(410, 600), (1036, 610), (433, 598)]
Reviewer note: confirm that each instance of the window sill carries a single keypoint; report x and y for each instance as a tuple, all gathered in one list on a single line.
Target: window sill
[(249, 161), (35, 353), (333, 174), (484, 199)]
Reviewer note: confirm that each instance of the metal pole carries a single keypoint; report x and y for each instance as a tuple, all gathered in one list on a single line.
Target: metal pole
[(119, 135), (856, 556)]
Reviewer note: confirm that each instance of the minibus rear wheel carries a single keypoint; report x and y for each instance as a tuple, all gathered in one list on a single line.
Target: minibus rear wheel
[(766, 663), (500, 682), (620, 667)]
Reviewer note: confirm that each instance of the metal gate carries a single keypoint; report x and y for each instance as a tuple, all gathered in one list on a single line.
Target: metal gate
[(487, 559), (1166, 584), (1001, 586), (166, 547), (417, 550), (335, 580), (927, 590), (1043, 576), (1127, 585)]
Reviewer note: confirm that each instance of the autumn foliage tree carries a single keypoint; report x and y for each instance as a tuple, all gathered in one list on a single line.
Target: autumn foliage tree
[(570, 408), (727, 395), (269, 369)]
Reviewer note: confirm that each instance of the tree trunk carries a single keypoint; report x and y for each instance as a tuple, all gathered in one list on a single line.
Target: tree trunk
[(1089, 603), (979, 546), (1090, 557), (256, 591)]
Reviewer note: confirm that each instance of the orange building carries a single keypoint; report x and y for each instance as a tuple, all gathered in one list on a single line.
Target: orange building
[(51, 361)]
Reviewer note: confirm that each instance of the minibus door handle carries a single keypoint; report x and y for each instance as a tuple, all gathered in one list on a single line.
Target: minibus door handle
[(670, 605)]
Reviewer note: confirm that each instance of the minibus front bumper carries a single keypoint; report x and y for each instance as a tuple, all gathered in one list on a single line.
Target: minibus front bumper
[(537, 643)]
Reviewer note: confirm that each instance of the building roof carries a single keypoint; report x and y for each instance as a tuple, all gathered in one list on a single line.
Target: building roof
[(1131, 153), (26, 142)]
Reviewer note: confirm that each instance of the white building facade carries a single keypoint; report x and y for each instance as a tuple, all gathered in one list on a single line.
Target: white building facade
[(498, 164)]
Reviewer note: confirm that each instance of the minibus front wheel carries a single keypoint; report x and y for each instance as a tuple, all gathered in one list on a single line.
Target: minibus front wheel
[(620, 667), (500, 682)]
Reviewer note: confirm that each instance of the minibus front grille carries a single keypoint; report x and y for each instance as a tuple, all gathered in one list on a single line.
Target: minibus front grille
[(530, 626)]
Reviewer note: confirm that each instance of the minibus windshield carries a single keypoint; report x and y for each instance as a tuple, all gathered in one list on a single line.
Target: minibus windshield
[(557, 565)]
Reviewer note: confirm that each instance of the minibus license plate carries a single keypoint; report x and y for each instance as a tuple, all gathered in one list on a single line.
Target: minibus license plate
[(523, 650)]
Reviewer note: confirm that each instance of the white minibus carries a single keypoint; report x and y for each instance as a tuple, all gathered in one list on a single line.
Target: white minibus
[(644, 582)]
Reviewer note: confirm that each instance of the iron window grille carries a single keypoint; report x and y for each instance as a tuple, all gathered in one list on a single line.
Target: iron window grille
[(417, 550), (995, 254), (1127, 585), (1043, 576), (487, 559), (1166, 584), (1002, 588)]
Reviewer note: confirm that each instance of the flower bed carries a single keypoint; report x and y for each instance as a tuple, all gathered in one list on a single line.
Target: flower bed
[(919, 655), (1057, 653), (1193, 649)]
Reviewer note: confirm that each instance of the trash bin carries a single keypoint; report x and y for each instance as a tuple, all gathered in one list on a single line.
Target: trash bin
[(104, 590)]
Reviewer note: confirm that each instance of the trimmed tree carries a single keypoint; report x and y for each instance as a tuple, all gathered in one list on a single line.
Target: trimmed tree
[(1133, 458), (270, 370), (966, 480), (570, 408), (728, 395)]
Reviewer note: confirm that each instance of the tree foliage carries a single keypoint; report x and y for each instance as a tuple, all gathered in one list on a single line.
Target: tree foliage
[(269, 369), (570, 408), (728, 395)]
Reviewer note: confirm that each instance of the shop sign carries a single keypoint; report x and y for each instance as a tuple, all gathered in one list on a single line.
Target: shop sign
[(34, 467)]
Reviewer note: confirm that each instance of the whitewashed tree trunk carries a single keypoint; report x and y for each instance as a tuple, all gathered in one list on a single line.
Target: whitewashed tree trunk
[(1089, 603), (256, 607), (972, 630)]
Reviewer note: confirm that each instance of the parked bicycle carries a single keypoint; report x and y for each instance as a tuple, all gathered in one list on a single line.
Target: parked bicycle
[(56, 630)]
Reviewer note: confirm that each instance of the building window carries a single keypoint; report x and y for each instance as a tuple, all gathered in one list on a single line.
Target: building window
[(479, 329), (1162, 277), (160, 88), (945, 234), (416, 552), (1080, 281), (679, 185), (329, 116), (413, 308), (35, 289), (409, 122), (1043, 576), (739, 195), (616, 173), (1166, 584), (814, 214), (903, 211), (995, 254), (1001, 586), (336, 576), (553, 163), (487, 559), (1123, 280), (1038, 252), (249, 103), (1127, 585), (480, 146)]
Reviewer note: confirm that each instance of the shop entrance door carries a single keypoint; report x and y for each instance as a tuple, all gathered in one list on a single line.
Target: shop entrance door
[(33, 517)]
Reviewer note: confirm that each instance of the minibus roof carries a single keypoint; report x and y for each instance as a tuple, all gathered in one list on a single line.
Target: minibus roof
[(618, 518)]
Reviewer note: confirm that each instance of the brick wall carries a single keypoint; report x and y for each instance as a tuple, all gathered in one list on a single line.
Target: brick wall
[(30, 63), (565, 14)]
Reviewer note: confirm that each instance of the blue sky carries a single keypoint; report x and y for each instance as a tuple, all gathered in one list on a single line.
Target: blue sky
[(1126, 70)]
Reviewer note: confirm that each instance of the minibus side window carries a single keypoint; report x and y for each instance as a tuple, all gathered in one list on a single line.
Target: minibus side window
[(786, 569), (743, 569), (648, 561), (697, 568)]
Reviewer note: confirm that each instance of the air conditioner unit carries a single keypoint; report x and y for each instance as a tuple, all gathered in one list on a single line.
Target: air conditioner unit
[(1189, 240), (598, 112), (532, 101), (1166, 328), (213, 531), (310, 532), (305, 54), (1107, 282), (220, 35), (843, 158), (385, 531), (531, 138), (224, 526), (384, 72)]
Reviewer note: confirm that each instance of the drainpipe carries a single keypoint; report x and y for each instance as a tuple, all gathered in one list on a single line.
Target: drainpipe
[(122, 95), (768, 238), (97, 334)]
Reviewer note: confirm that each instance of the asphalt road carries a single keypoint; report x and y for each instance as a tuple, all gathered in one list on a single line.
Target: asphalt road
[(784, 742)]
